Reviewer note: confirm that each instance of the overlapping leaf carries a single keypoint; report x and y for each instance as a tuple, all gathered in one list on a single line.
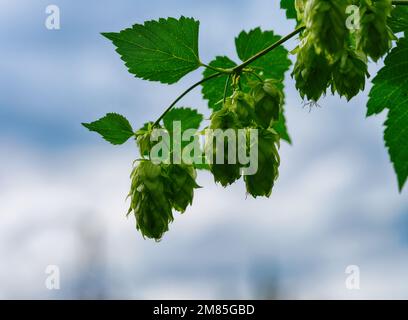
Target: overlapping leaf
[(399, 19), (213, 90), (390, 91), (273, 65), (163, 50)]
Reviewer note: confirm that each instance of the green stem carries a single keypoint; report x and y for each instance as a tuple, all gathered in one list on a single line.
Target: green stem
[(221, 70), (268, 49), (215, 75), (226, 88), (239, 69)]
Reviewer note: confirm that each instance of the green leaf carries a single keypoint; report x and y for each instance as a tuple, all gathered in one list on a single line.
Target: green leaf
[(289, 6), (281, 128), (390, 91), (213, 90), (164, 50), (114, 128), (399, 19), (274, 64), (189, 118)]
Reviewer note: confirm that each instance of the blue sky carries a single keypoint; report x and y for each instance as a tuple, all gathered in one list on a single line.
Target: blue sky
[(62, 189)]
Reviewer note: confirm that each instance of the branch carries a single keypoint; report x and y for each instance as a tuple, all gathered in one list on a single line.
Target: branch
[(215, 75), (268, 49), (239, 68)]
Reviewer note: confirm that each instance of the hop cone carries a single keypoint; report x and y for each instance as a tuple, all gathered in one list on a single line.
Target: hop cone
[(143, 139), (149, 201), (349, 74), (261, 184), (375, 36), (268, 102), (312, 72), (325, 23), (225, 173), (243, 105), (182, 181)]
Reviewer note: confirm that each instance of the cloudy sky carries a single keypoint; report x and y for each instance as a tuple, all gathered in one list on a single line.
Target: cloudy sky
[(62, 189)]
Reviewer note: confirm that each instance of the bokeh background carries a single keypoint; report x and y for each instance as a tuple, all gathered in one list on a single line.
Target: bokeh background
[(63, 189)]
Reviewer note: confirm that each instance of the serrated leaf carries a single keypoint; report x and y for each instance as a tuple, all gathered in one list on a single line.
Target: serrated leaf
[(114, 128), (390, 91), (213, 90), (399, 19), (274, 64), (281, 128), (163, 50), (189, 118), (289, 6)]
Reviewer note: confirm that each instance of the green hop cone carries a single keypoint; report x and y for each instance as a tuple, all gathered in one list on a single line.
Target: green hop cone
[(143, 136), (374, 36), (261, 183), (182, 181), (325, 22), (225, 173), (349, 74), (268, 102), (243, 105), (312, 72), (149, 201)]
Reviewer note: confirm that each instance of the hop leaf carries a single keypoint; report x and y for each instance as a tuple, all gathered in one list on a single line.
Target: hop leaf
[(268, 102), (149, 201), (113, 127), (375, 36), (261, 183), (390, 91), (164, 50), (349, 74)]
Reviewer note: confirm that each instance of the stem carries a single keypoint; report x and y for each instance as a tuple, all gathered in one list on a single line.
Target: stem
[(226, 88), (228, 71), (268, 49), (240, 68), (215, 75)]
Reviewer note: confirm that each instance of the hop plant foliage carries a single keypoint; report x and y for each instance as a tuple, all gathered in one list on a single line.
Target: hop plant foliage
[(149, 200), (325, 23), (268, 103), (349, 74), (312, 72), (250, 95), (261, 183), (375, 36), (182, 181), (225, 173)]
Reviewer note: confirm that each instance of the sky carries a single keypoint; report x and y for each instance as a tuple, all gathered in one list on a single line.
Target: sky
[(63, 189)]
